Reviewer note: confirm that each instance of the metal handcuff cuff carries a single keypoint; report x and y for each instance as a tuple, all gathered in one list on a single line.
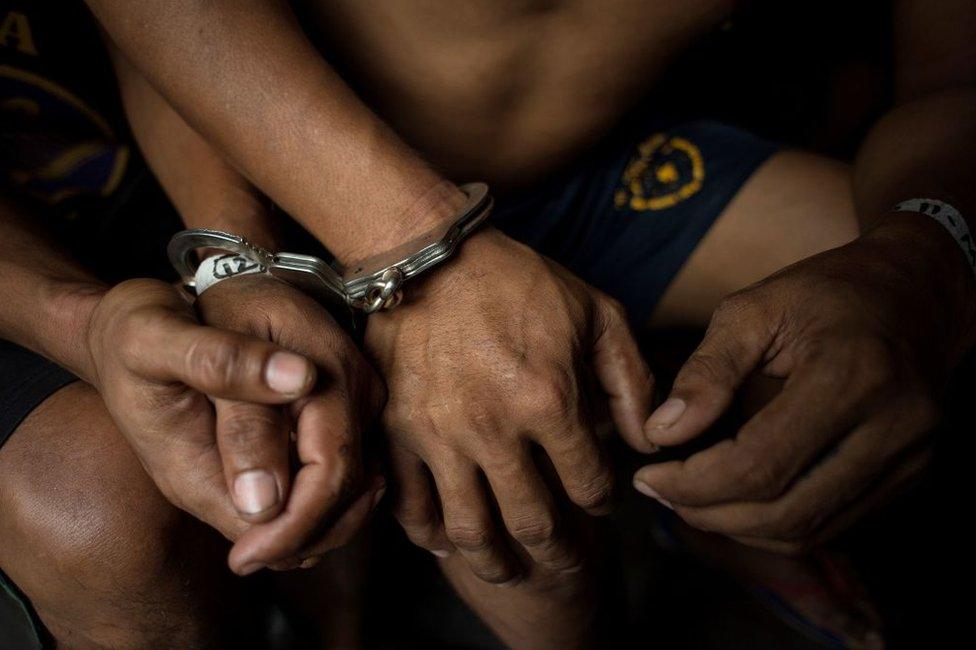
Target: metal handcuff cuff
[(370, 285)]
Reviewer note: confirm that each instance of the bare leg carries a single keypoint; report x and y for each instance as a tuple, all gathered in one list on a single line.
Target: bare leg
[(794, 206), (104, 558)]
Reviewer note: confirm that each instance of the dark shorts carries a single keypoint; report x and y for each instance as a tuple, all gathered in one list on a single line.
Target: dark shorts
[(26, 380), (627, 217)]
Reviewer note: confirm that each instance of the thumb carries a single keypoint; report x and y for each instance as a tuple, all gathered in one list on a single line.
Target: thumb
[(703, 389), (622, 373), (253, 443), (222, 364)]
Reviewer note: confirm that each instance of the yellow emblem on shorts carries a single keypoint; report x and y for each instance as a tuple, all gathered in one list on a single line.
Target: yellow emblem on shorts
[(665, 171)]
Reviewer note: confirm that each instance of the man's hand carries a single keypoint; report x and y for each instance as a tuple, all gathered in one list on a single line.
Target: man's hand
[(329, 422), (490, 361), (864, 342), (154, 366)]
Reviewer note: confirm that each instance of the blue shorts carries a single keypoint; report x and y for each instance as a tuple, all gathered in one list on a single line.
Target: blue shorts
[(630, 214)]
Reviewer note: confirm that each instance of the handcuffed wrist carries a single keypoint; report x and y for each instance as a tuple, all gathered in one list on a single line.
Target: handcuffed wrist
[(433, 207), (224, 266), (368, 285)]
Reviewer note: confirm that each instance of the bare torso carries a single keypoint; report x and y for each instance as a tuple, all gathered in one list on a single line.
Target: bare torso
[(505, 90)]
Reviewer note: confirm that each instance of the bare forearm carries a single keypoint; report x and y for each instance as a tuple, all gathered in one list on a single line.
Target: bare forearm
[(920, 149), (923, 149), (204, 188), (245, 77), (46, 299)]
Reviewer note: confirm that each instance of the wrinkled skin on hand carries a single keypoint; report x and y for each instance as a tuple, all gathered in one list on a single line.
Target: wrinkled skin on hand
[(496, 359), (155, 368), (864, 345)]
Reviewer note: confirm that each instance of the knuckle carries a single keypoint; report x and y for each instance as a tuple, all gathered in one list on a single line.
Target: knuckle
[(470, 537), (496, 573), (478, 415), (594, 492), (545, 399), (248, 429), (614, 309), (758, 476), (703, 368), (420, 531), (215, 364), (566, 561), (733, 308), (534, 530), (180, 403), (418, 521)]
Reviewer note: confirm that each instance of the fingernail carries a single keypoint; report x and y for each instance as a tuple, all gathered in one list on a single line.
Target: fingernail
[(248, 569), (666, 414), (511, 583), (286, 373), (378, 497), (255, 491), (441, 554), (648, 491)]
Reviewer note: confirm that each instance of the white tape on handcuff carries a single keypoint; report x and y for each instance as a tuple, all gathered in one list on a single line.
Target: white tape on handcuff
[(224, 266), (951, 220)]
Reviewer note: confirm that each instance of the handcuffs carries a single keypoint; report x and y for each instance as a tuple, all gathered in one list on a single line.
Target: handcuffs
[(369, 285)]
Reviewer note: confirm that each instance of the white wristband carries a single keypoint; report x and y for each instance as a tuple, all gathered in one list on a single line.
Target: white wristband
[(951, 220), (218, 268)]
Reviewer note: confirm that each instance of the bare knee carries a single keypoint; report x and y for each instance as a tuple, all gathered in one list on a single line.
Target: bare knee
[(104, 558)]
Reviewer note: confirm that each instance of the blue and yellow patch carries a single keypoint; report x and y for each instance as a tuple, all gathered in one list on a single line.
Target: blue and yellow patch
[(664, 171)]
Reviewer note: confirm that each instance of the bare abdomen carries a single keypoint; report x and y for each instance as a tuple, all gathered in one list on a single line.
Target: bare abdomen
[(504, 91)]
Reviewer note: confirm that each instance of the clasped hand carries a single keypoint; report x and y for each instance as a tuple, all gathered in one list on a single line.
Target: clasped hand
[(211, 412)]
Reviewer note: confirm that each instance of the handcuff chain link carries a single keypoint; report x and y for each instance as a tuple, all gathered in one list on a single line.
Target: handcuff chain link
[(384, 293)]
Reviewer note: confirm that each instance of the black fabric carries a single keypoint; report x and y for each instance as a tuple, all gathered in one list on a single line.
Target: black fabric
[(26, 380)]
